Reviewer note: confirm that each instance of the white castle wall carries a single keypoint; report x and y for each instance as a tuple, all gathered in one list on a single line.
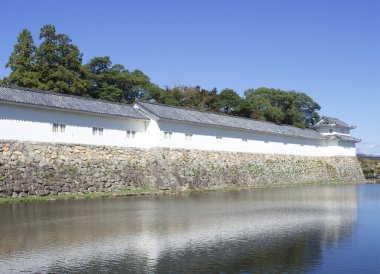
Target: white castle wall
[(234, 140), (26, 123)]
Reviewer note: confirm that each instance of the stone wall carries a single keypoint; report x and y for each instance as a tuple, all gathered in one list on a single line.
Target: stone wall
[(40, 169)]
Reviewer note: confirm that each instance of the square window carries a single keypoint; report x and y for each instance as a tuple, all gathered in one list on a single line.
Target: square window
[(58, 127), (131, 134), (168, 135), (62, 128), (55, 127), (97, 131)]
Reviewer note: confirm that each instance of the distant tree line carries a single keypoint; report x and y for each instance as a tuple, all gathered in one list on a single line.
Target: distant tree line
[(56, 65)]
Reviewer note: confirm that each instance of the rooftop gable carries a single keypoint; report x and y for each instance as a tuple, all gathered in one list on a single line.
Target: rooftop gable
[(222, 120), (66, 102), (325, 120)]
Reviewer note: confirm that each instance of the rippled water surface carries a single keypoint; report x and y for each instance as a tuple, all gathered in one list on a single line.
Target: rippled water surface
[(322, 229)]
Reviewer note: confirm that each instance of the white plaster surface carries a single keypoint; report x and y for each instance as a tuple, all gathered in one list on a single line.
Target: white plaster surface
[(27, 123)]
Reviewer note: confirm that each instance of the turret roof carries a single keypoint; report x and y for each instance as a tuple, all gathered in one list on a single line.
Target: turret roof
[(325, 120)]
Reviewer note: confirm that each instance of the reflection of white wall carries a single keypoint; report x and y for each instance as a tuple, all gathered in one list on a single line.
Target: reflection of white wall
[(28, 123)]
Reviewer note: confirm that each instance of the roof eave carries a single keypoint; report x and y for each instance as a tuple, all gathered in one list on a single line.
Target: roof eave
[(243, 129), (339, 138), (331, 125), (72, 110)]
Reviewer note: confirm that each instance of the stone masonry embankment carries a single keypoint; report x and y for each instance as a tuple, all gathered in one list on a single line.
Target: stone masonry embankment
[(28, 169)]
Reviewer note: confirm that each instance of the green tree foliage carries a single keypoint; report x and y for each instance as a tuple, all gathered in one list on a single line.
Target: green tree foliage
[(103, 79), (56, 65), (59, 63), (189, 97), (22, 62), (232, 103), (283, 107), (135, 84), (211, 100), (114, 82), (229, 100)]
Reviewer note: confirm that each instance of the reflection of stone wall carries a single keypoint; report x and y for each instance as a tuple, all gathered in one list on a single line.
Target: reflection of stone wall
[(41, 169)]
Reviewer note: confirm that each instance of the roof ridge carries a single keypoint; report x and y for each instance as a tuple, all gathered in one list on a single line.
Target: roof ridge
[(336, 120), (59, 93), (329, 117), (221, 114)]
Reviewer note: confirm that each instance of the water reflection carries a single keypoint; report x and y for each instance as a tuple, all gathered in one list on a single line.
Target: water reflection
[(258, 230)]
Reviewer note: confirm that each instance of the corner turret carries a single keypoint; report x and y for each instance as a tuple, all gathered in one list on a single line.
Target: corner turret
[(334, 128)]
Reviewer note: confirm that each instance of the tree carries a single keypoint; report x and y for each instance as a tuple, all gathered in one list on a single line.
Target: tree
[(211, 100), (243, 109), (103, 79), (200, 98), (283, 107), (231, 103), (22, 62), (229, 100), (59, 63), (151, 92), (193, 97), (115, 83), (134, 84)]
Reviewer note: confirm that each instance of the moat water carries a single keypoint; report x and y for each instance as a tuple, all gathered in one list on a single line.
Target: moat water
[(313, 229)]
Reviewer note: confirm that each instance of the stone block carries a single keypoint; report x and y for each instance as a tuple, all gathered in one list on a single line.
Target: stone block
[(22, 194), (42, 192)]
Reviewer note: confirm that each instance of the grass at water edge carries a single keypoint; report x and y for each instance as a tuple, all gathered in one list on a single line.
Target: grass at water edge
[(149, 191)]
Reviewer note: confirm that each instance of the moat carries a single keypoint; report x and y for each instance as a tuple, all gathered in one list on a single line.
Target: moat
[(322, 229)]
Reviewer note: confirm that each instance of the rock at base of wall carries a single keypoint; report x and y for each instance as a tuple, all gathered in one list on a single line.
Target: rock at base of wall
[(28, 169)]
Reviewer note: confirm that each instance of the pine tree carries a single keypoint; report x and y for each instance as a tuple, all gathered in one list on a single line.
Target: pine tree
[(22, 62), (59, 63)]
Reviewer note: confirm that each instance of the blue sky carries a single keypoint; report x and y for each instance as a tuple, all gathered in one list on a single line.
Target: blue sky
[(328, 49)]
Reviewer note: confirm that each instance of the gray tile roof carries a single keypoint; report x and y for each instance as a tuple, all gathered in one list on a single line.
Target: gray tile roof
[(66, 102), (335, 121), (213, 119), (344, 138)]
